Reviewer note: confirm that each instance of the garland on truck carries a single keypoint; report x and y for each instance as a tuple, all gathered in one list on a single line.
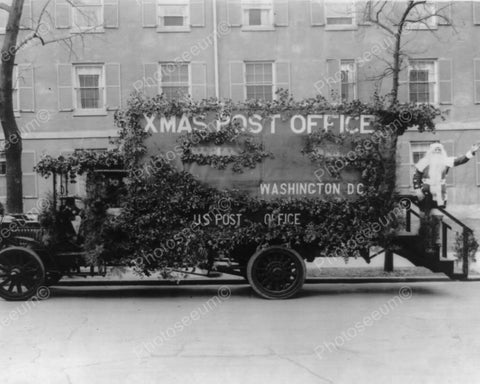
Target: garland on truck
[(156, 221), (101, 231), (250, 155)]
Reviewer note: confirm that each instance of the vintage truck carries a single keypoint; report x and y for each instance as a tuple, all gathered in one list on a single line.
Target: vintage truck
[(253, 192)]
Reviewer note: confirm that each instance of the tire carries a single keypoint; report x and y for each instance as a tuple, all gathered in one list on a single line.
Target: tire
[(22, 273), (276, 272)]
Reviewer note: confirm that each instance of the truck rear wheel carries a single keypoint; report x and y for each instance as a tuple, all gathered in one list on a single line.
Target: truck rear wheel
[(276, 272)]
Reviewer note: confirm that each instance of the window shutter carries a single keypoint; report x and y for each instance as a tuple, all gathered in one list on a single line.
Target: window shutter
[(317, 68), (3, 186), (150, 79), (445, 68), (112, 85), (16, 106), (29, 185), (63, 14), (445, 10), (26, 19), (199, 80), (149, 13), (449, 146), (26, 88), (333, 79), (28, 161), (197, 13), (65, 87), (476, 12), (404, 168), (476, 157), (364, 87), (281, 13), (476, 77), (110, 12), (317, 12), (234, 13), (403, 85), (29, 177), (282, 75), (237, 81)]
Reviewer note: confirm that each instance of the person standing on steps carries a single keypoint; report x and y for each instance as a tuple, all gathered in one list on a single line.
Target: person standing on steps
[(429, 183)]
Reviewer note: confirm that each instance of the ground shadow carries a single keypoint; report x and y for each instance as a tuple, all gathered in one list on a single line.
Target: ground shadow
[(374, 289), (244, 291)]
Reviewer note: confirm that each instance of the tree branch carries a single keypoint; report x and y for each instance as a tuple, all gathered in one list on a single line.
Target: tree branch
[(36, 34), (377, 21), (5, 7)]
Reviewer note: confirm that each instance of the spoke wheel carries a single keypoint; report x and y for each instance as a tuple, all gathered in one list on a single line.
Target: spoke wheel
[(21, 273), (276, 272)]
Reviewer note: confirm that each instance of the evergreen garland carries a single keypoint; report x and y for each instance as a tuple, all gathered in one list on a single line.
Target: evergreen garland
[(156, 221)]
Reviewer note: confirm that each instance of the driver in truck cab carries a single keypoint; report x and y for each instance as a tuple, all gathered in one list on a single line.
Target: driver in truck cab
[(429, 180)]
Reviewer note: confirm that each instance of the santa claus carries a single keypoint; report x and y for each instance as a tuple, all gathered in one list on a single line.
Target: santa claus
[(429, 180)]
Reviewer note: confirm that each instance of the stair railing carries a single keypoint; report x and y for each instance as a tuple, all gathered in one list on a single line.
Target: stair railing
[(466, 231)]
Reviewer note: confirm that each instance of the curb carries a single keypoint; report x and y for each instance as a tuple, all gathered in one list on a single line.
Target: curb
[(326, 280), (359, 280)]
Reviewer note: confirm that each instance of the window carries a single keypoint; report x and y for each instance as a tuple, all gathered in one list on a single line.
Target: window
[(425, 14), (477, 166), (4, 16), (3, 164), (257, 14), (348, 78), (89, 88), (340, 14), (88, 15), (422, 81), (476, 80), (259, 80), (29, 176), (173, 15), (419, 149), (174, 80), (3, 173)]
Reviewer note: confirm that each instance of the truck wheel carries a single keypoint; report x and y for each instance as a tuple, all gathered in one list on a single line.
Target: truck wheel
[(276, 272), (21, 273)]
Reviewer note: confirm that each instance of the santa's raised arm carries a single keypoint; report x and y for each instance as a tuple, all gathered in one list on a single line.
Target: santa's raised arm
[(429, 180)]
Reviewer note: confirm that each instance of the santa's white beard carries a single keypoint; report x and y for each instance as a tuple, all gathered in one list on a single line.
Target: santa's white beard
[(436, 168)]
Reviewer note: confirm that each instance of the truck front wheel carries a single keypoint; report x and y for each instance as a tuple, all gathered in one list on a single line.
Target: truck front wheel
[(276, 272)]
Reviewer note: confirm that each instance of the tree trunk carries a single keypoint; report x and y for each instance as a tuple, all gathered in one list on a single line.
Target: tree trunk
[(396, 68), (13, 157), (388, 265), (389, 151), (13, 140), (397, 62)]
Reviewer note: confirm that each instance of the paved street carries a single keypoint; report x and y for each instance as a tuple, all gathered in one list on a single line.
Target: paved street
[(356, 333)]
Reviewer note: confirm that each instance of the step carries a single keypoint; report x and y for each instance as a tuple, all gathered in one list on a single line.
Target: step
[(419, 258)]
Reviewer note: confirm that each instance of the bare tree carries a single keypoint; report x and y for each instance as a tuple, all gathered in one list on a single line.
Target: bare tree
[(40, 32), (394, 18), (13, 142)]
